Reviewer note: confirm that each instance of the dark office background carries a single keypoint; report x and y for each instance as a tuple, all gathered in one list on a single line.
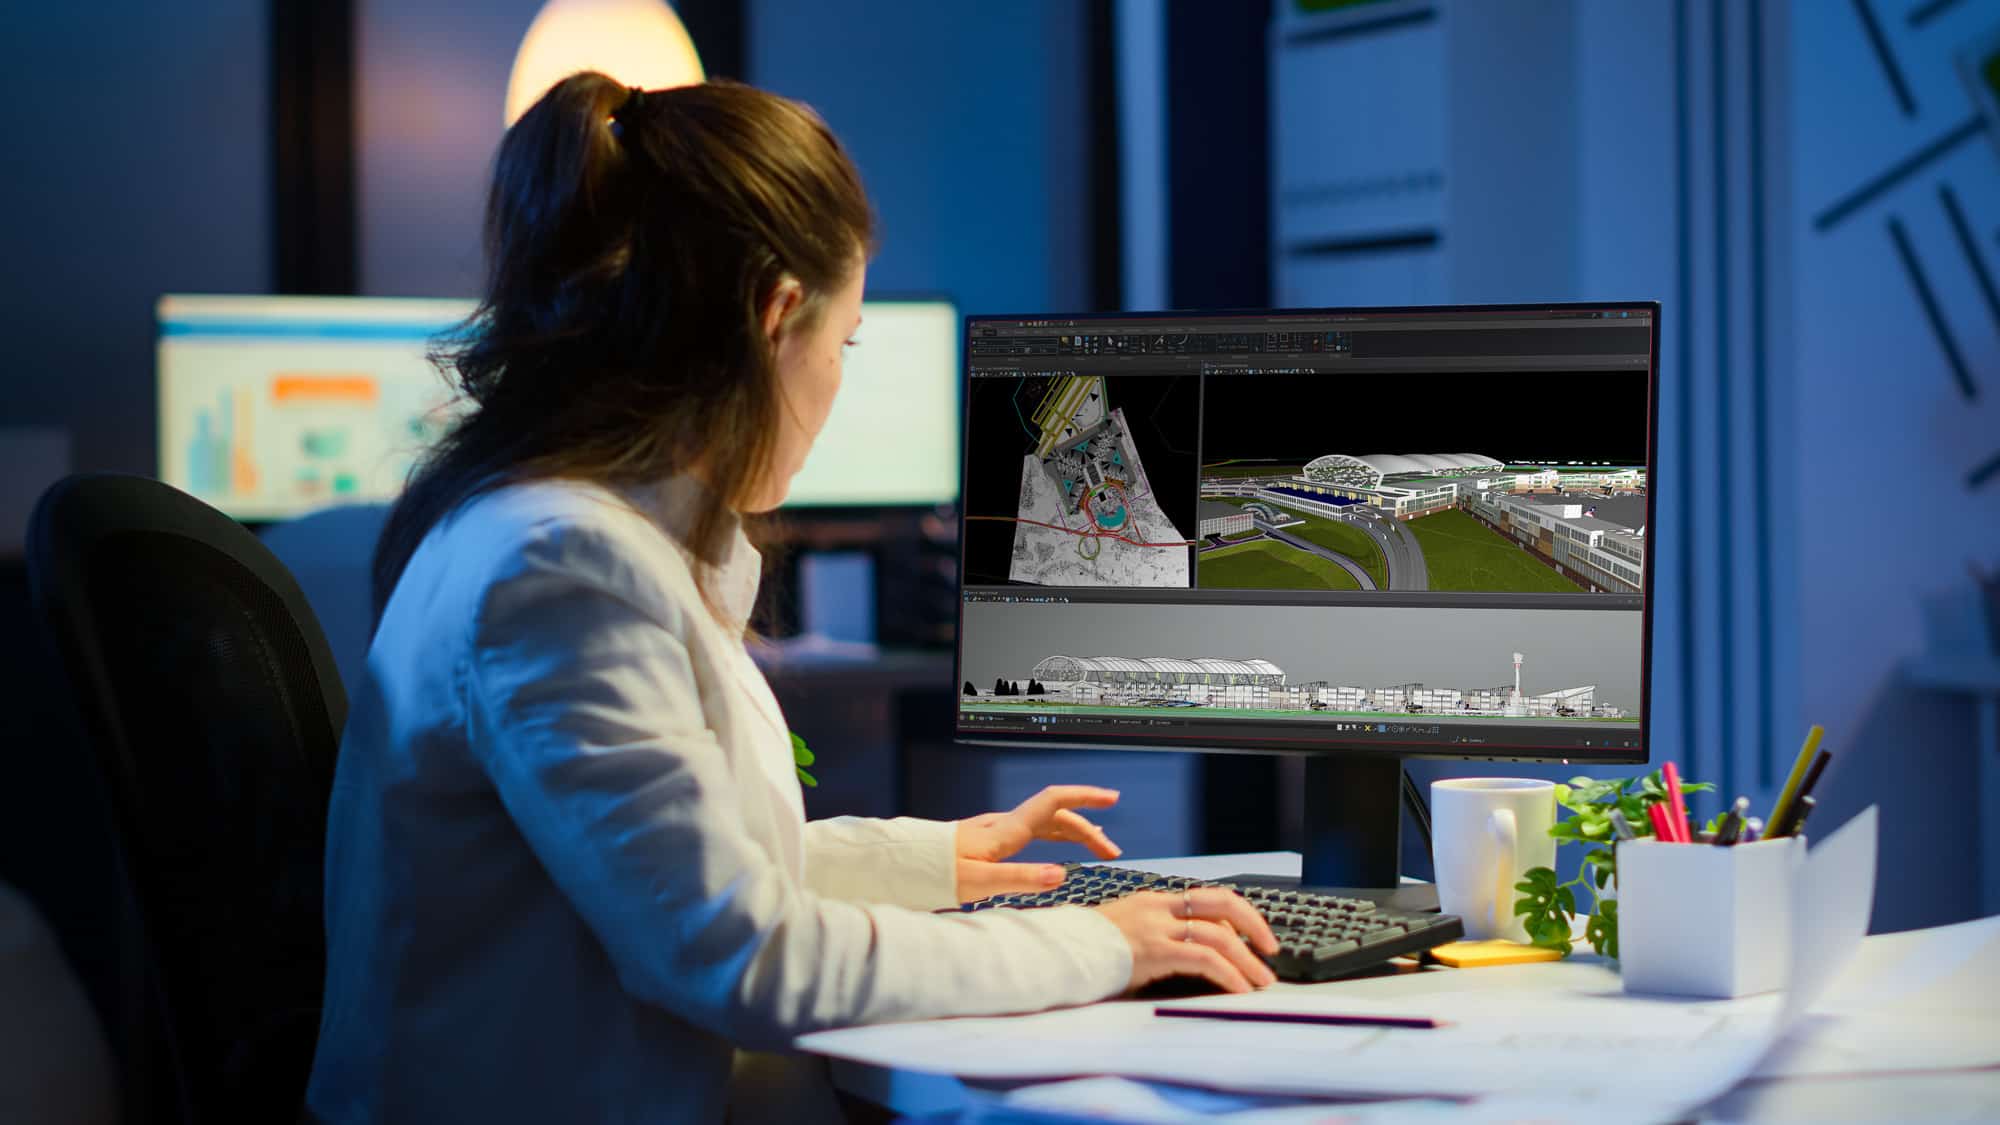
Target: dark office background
[(1811, 187)]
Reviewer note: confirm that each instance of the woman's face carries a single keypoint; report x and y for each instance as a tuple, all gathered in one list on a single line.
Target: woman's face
[(808, 354)]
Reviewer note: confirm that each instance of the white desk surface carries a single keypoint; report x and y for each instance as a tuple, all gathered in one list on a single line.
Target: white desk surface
[(1939, 1095)]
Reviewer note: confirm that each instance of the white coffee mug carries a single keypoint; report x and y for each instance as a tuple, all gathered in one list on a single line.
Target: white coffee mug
[(1485, 833)]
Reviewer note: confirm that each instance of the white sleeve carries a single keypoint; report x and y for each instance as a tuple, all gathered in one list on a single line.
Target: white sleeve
[(587, 716), (903, 862)]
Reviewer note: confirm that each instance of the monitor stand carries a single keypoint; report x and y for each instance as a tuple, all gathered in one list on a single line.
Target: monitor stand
[(1354, 832)]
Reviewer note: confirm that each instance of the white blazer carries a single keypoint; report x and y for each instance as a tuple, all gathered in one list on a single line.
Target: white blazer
[(568, 868)]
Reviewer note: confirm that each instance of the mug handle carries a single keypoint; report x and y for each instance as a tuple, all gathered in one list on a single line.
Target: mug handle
[(1506, 833)]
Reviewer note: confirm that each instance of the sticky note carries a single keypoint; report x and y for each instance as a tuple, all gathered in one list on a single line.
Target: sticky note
[(1475, 954)]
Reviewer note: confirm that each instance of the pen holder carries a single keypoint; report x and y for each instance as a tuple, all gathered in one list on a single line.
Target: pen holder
[(1698, 920)]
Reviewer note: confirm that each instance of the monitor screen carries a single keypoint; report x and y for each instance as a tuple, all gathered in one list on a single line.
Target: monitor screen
[(272, 407), (1416, 531), (892, 439)]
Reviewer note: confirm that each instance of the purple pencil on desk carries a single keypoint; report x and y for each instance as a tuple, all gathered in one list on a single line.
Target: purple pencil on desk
[(1330, 1019)]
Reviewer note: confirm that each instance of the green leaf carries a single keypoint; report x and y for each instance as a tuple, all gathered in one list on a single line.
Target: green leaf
[(1601, 864), (1602, 929), (1596, 828), (1541, 909), (1697, 786), (1550, 933), (1562, 794), (801, 758), (1567, 900)]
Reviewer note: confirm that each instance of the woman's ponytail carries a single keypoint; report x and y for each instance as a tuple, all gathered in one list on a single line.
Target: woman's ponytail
[(632, 239)]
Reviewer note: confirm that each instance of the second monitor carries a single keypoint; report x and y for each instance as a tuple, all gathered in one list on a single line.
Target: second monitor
[(273, 407)]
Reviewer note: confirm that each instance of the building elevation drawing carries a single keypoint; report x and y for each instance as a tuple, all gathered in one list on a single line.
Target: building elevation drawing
[(1426, 521), (1177, 686), (1087, 515)]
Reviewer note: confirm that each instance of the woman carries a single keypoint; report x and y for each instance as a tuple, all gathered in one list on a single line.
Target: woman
[(568, 871)]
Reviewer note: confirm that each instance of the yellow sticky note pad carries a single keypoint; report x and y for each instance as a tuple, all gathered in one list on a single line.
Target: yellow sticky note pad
[(1475, 954)]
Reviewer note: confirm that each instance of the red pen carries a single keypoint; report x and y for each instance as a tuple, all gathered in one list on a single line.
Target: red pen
[(1672, 776)]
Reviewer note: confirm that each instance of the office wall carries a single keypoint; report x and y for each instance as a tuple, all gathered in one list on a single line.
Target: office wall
[(430, 79), (1892, 432), (967, 121), (969, 124), (137, 163)]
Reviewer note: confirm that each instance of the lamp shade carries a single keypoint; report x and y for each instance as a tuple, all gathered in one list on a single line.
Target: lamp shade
[(638, 42)]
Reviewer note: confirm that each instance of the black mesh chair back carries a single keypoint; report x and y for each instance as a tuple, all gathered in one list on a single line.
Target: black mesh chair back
[(213, 710)]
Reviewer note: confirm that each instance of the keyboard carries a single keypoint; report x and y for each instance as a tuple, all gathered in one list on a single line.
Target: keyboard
[(1320, 936)]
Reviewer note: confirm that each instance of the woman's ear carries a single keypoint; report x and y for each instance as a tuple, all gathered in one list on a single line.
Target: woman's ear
[(784, 299)]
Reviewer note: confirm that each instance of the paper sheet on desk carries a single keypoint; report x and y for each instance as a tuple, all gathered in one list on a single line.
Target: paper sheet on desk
[(1514, 1026), (1919, 1001)]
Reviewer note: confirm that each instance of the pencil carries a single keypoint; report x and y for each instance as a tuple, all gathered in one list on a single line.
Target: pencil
[(1671, 774), (1818, 767), (1330, 1019), (1663, 829), (1790, 792)]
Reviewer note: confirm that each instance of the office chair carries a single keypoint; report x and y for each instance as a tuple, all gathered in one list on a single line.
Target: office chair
[(213, 710)]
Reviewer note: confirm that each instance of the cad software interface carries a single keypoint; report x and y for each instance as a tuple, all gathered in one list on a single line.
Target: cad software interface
[(1421, 530)]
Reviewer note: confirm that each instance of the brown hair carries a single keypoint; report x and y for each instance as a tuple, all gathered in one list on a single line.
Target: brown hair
[(632, 241)]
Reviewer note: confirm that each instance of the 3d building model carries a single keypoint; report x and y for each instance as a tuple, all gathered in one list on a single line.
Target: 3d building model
[(1586, 524), (1224, 520), (1161, 682)]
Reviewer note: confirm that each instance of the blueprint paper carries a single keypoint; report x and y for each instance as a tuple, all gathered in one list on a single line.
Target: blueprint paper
[(1830, 907), (1501, 1044), (1918, 1001), (1512, 1026)]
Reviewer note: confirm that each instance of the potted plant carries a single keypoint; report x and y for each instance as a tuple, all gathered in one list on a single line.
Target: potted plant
[(1548, 906)]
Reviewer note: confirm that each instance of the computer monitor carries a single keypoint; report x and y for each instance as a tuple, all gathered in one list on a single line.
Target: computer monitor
[(892, 439), (1360, 534), (272, 407)]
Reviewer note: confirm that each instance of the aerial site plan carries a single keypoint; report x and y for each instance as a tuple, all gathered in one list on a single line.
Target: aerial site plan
[(1086, 510)]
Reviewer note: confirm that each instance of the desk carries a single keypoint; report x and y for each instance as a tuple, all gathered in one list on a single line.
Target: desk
[(1905, 1095)]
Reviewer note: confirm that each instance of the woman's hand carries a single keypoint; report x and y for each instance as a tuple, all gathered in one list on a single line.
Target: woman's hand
[(1199, 932), (985, 840)]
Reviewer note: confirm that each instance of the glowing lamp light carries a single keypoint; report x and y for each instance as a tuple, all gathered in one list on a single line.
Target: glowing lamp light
[(638, 42)]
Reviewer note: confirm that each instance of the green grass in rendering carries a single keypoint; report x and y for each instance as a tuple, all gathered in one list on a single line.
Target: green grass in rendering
[(1463, 554), (1269, 565), (1349, 541)]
